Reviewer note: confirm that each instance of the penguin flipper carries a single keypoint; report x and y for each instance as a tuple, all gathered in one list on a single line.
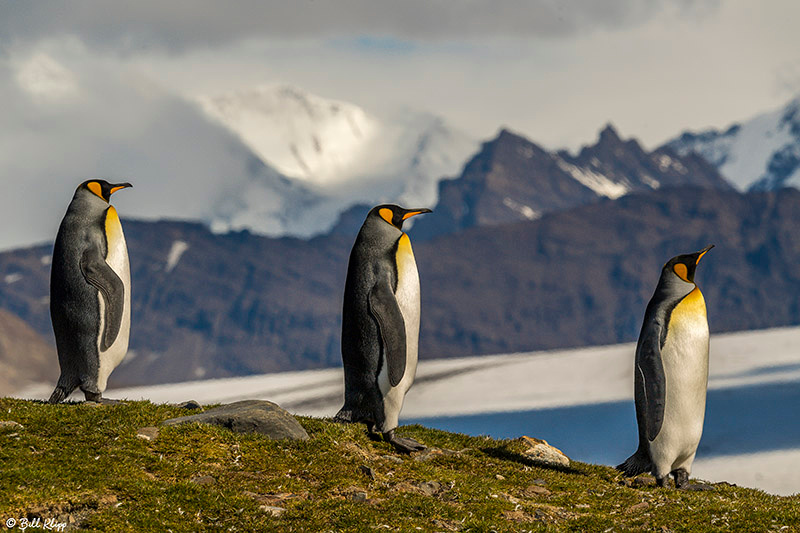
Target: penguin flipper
[(650, 382), (102, 277), (391, 326)]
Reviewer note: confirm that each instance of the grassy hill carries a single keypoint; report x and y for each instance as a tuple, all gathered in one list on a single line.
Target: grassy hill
[(85, 465)]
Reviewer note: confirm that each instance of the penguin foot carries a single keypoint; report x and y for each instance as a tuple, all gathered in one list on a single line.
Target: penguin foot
[(403, 444), (98, 398), (662, 481), (681, 478)]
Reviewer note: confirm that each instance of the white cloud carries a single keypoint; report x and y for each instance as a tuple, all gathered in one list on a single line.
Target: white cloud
[(87, 94), (42, 77), (116, 125)]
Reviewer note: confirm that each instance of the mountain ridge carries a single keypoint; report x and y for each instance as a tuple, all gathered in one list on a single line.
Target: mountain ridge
[(760, 153), (512, 178), (239, 303)]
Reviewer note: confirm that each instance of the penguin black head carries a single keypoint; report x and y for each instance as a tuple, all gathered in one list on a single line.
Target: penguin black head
[(684, 266), (102, 188), (394, 214)]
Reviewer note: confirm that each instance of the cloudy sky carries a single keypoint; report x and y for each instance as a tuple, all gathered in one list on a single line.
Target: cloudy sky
[(95, 88)]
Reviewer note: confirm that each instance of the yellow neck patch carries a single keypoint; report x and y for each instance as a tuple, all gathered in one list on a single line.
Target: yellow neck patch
[(681, 271), (95, 188), (693, 305)]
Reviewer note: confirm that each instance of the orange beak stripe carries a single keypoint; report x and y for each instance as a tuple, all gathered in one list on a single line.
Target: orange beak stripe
[(115, 189), (411, 214)]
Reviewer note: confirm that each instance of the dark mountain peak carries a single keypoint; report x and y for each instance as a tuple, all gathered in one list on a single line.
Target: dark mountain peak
[(609, 136), (506, 135), (513, 179)]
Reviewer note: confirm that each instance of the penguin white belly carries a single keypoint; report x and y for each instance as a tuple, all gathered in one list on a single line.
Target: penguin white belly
[(117, 259), (407, 296), (685, 360)]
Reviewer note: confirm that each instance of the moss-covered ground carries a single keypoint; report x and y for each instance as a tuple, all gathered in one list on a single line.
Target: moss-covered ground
[(84, 465)]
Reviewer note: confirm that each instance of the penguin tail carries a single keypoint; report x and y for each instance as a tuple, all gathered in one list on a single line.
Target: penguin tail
[(344, 416), (636, 464), (60, 393)]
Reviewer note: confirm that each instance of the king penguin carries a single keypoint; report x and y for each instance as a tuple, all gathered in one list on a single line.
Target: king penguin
[(671, 375), (90, 292), (380, 324)]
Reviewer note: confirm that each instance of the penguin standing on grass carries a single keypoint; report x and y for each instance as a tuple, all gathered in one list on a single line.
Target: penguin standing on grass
[(380, 324), (90, 292), (671, 375)]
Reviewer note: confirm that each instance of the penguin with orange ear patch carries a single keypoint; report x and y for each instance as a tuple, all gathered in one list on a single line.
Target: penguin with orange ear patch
[(671, 375), (380, 324), (90, 292)]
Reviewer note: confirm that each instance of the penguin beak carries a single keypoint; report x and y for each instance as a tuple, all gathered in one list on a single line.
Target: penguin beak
[(702, 252), (119, 186), (415, 212)]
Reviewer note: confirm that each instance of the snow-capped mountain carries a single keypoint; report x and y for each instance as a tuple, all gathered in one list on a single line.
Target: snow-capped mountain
[(337, 151), (302, 135), (512, 179), (761, 153)]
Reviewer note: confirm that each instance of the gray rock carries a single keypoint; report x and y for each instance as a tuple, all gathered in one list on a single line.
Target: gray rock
[(359, 496), (148, 433), (429, 487), (541, 452), (271, 509), (203, 480), (249, 416)]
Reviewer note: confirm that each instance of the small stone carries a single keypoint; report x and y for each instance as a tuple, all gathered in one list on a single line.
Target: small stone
[(643, 481), (638, 507), (108, 499), (203, 480), (359, 496), (367, 471), (10, 424), (517, 516), (249, 416), (191, 404), (392, 458), (429, 488), (540, 451), (500, 477), (148, 433), (274, 511), (536, 490), (509, 498), (582, 506), (428, 454), (699, 487)]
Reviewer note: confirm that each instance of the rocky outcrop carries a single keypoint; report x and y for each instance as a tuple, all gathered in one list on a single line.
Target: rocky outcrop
[(249, 416)]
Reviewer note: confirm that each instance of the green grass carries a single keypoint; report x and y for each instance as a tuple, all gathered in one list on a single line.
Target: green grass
[(85, 464)]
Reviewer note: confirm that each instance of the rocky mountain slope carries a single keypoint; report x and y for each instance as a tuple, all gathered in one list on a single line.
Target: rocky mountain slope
[(760, 153), (513, 179), (209, 305), (25, 356)]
